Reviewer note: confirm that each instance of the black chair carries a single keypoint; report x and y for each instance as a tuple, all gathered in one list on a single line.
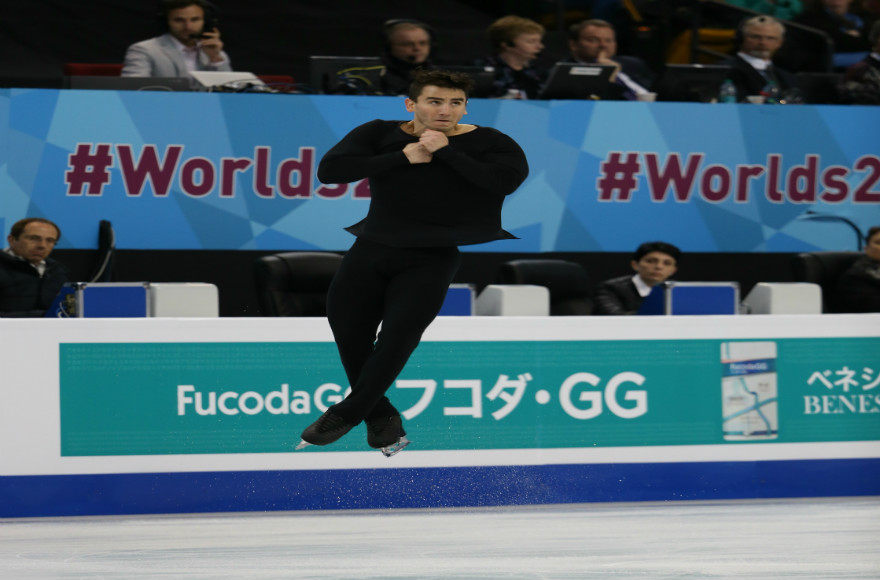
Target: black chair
[(820, 88), (295, 283), (567, 282), (824, 269)]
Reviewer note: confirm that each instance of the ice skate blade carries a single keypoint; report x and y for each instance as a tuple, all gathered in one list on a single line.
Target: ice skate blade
[(302, 445), (396, 448)]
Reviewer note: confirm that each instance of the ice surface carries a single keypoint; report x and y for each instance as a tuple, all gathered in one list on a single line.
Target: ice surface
[(823, 539)]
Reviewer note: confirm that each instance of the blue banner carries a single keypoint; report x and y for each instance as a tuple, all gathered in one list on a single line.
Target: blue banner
[(238, 171)]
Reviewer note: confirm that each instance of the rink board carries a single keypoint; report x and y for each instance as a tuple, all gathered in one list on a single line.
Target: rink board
[(177, 416)]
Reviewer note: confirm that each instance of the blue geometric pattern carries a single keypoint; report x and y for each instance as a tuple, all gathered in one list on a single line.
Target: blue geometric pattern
[(239, 171)]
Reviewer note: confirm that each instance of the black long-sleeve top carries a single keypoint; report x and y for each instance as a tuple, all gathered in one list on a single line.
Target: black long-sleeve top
[(23, 292), (858, 290), (454, 200)]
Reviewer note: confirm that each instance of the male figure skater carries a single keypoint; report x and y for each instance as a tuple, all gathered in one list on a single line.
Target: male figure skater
[(435, 184)]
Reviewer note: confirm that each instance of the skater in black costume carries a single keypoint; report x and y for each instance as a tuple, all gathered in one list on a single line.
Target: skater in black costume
[(435, 184)]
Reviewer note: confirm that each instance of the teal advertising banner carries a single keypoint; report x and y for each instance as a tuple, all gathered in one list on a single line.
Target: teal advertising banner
[(198, 398)]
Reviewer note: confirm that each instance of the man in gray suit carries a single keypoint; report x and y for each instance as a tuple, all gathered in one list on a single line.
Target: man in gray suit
[(191, 43)]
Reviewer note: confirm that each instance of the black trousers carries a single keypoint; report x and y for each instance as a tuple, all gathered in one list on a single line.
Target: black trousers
[(401, 288)]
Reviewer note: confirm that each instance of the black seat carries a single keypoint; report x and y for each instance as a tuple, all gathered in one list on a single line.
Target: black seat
[(295, 283), (820, 88), (567, 282), (824, 269)]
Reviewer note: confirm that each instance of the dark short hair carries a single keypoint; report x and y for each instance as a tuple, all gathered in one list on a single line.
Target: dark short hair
[(389, 27), (648, 247), (574, 31), (439, 78), (19, 226), (166, 6), (872, 231)]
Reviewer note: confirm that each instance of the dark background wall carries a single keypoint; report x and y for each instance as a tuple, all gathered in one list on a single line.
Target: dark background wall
[(262, 36)]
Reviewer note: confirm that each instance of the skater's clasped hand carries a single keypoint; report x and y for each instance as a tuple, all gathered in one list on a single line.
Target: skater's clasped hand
[(433, 140), (417, 153)]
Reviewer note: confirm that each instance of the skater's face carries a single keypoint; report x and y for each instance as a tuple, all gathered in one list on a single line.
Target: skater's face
[(437, 108), (654, 267)]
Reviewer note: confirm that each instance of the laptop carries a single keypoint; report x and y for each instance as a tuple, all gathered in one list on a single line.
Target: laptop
[(105, 83), (694, 83), (357, 75), (573, 80), (226, 80)]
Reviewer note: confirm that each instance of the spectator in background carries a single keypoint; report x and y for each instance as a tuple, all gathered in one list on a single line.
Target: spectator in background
[(782, 9), (858, 290), (191, 42), (846, 29), (516, 42), (29, 278), (861, 84), (654, 263), (408, 45), (595, 41), (753, 72)]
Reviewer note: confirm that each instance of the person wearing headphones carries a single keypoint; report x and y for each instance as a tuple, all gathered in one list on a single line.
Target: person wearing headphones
[(408, 45), (192, 42), (29, 278), (752, 70), (516, 42)]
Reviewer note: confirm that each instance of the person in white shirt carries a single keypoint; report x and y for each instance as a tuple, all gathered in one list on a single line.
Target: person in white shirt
[(752, 69), (654, 263), (192, 42)]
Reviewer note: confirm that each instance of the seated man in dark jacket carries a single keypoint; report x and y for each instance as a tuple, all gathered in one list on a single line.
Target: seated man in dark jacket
[(858, 290), (654, 262), (752, 69), (29, 278), (407, 47), (595, 41)]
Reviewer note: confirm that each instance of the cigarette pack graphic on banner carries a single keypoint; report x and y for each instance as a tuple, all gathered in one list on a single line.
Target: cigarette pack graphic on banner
[(749, 390)]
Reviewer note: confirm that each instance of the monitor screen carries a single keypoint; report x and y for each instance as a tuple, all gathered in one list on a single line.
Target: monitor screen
[(109, 83), (695, 83), (351, 75), (571, 80)]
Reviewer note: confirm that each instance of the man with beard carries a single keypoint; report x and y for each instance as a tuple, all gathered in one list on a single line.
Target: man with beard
[(191, 42), (752, 69)]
